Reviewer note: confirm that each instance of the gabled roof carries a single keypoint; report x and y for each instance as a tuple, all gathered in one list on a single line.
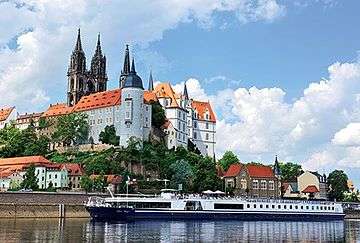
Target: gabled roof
[(74, 169), (201, 109), (310, 189), (233, 170), (58, 110), (5, 113), (99, 100), (164, 90), (111, 179), (27, 160), (260, 170)]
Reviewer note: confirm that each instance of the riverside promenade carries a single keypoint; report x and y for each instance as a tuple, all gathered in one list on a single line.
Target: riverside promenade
[(44, 204)]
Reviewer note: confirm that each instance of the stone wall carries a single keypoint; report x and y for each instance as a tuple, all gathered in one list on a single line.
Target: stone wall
[(22, 210)]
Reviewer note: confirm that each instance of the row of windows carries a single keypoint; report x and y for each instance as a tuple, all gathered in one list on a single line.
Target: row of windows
[(279, 206), (207, 136), (263, 185), (106, 110)]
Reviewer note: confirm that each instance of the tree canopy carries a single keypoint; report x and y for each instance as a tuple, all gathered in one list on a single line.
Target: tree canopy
[(30, 181), (290, 171), (108, 136), (71, 129), (337, 182), (158, 116), (228, 158)]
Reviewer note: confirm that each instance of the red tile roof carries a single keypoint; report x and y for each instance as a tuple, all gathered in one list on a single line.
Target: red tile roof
[(5, 113), (164, 90), (57, 110), (111, 179), (74, 169), (260, 171), (310, 189), (233, 170), (201, 109), (99, 100), (149, 96), (27, 160)]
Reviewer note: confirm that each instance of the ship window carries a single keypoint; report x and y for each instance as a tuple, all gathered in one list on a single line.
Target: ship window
[(296, 207), (279, 206), (248, 205), (284, 206), (302, 207), (317, 207), (267, 205), (254, 205), (152, 205), (261, 206), (332, 208), (228, 206), (273, 206), (290, 206), (321, 208), (312, 207), (307, 207)]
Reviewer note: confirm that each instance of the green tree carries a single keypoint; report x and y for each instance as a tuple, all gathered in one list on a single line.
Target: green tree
[(182, 174), (290, 171), (228, 159), (30, 181), (337, 182), (205, 176), (108, 136), (100, 183), (71, 129), (86, 183), (158, 116)]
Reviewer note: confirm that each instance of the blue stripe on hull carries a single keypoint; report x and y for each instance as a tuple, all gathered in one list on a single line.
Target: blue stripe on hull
[(130, 214)]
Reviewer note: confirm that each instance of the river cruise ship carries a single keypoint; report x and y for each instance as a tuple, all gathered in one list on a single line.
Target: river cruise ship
[(170, 206)]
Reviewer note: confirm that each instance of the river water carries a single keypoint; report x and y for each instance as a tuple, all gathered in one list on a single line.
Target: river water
[(84, 230)]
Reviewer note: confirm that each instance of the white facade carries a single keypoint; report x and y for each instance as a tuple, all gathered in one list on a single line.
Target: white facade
[(203, 136), (58, 177), (178, 135)]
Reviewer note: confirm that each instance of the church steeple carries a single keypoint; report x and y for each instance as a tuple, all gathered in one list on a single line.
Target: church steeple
[(98, 69), (126, 67), (185, 93), (78, 46), (277, 171), (151, 82)]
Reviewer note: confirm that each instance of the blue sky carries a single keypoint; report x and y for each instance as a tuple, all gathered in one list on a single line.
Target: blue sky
[(283, 76)]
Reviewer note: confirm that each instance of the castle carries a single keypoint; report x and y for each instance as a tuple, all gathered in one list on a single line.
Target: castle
[(127, 108)]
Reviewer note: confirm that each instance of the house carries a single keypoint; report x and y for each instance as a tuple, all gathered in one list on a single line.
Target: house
[(113, 181), (25, 120), (13, 170), (309, 185), (312, 185), (252, 180), (7, 115), (75, 171)]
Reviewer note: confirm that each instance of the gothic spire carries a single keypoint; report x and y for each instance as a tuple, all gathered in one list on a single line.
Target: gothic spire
[(185, 93), (277, 171), (151, 82), (98, 47), (126, 68), (133, 71), (78, 46)]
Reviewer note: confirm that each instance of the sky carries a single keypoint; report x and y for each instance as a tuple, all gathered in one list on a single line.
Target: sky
[(283, 76)]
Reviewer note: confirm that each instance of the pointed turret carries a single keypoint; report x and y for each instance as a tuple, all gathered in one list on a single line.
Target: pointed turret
[(98, 47), (132, 80), (98, 68), (126, 68), (277, 171), (185, 93), (78, 46), (151, 82)]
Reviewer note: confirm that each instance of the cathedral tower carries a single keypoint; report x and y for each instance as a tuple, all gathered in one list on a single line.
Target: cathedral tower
[(76, 73), (126, 68), (98, 80)]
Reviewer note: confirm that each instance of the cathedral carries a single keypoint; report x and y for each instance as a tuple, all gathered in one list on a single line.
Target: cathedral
[(81, 81)]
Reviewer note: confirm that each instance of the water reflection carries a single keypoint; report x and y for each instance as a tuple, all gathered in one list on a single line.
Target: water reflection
[(83, 230)]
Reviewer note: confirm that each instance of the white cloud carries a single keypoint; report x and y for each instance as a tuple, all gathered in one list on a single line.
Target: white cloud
[(348, 136), (258, 123), (44, 33)]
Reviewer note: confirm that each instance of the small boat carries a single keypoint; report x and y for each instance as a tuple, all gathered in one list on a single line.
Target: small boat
[(170, 206)]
